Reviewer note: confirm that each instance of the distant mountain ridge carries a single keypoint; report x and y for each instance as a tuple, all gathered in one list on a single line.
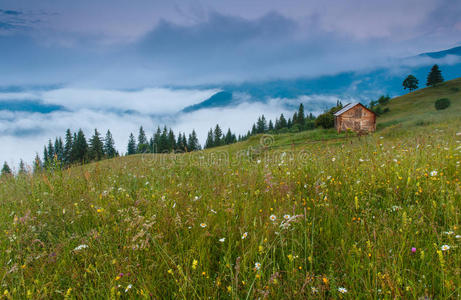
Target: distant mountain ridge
[(440, 54)]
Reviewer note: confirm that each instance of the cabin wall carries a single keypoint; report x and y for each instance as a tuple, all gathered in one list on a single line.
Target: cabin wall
[(356, 119)]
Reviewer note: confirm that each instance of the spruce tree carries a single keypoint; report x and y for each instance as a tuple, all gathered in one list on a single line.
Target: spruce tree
[(434, 77), (131, 148), (228, 137), (171, 141), (271, 126), (301, 120), (217, 136), (59, 149), (67, 152), (209, 140), (193, 143), (96, 147), (179, 144), (45, 157), (109, 145), (81, 147), (283, 122), (143, 145), (156, 141), (6, 171), (163, 144), (51, 152)]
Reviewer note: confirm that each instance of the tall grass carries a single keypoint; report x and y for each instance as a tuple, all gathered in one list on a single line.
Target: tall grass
[(361, 218)]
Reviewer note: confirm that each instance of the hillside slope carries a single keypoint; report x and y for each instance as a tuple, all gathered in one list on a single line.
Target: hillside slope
[(375, 217)]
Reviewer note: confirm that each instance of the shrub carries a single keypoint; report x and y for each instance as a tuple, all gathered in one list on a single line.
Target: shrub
[(442, 103), (326, 120)]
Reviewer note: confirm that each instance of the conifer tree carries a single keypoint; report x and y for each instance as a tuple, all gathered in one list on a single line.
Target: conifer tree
[(228, 137), (434, 77), (171, 141), (22, 168), (37, 164), (193, 143), (217, 136), (81, 147), (59, 149), (209, 140), (271, 126), (294, 120), (143, 145), (254, 130), (109, 145), (67, 152), (301, 120), (261, 125), (131, 148), (179, 143), (156, 141), (51, 152), (6, 171), (164, 145), (96, 147), (283, 122), (45, 156)]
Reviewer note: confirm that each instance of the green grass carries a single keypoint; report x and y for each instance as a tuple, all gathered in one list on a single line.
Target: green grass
[(356, 206)]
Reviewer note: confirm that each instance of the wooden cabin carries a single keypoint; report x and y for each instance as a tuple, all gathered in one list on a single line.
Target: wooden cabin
[(356, 117)]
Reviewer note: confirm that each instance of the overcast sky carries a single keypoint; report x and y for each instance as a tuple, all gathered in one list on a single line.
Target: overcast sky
[(102, 56)]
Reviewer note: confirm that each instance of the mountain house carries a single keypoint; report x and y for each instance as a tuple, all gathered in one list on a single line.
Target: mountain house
[(356, 117)]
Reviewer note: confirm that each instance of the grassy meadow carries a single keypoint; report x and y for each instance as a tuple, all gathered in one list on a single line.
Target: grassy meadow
[(307, 215)]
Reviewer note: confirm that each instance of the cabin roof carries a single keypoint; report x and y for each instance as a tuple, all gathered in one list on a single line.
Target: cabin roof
[(348, 107)]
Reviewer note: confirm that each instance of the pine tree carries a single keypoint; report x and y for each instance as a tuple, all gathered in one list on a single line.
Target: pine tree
[(179, 143), (271, 126), (261, 125), (301, 120), (217, 138), (254, 130), (163, 145), (51, 152), (171, 141), (67, 155), (81, 147), (45, 157), (131, 148), (109, 145), (156, 141), (283, 122), (6, 171), (228, 137), (143, 145), (193, 143), (59, 149), (294, 120), (96, 147), (434, 77), (209, 140)]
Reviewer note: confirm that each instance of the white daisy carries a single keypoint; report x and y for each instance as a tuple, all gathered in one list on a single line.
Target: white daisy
[(445, 247), (257, 266), (433, 173), (273, 218), (244, 235), (80, 247), (286, 217), (222, 240), (203, 225), (342, 290)]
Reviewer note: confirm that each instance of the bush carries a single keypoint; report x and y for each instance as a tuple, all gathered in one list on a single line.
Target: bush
[(442, 103), (326, 120)]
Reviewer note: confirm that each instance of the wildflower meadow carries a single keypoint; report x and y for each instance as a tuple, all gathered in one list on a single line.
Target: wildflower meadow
[(370, 217)]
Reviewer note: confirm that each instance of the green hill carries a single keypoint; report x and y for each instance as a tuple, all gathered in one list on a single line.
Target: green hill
[(293, 216)]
